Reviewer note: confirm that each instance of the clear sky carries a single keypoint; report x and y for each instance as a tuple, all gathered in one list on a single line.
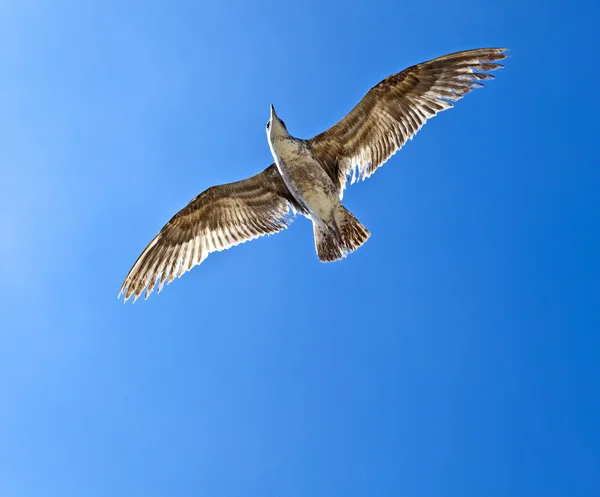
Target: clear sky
[(455, 354)]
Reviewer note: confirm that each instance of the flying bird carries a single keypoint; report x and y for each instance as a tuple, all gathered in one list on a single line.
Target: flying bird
[(309, 176)]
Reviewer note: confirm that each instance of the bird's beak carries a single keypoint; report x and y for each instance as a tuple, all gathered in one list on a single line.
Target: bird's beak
[(272, 111)]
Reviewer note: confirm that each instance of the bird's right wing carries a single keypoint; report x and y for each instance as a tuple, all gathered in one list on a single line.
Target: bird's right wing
[(220, 217), (394, 110)]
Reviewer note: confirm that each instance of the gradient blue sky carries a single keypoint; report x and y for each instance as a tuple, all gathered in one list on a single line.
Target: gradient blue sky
[(455, 354)]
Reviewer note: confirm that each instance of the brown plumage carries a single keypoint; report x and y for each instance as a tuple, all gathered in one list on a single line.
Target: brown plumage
[(394, 110), (220, 217), (377, 127)]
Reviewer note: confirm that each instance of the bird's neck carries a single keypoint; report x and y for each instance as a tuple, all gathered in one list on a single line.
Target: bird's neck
[(284, 146)]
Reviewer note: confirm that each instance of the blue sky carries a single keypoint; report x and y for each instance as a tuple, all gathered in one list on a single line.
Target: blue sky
[(455, 354)]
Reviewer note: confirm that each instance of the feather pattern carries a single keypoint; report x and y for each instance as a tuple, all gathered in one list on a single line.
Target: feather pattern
[(219, 218), (394, 110), (389, 115)]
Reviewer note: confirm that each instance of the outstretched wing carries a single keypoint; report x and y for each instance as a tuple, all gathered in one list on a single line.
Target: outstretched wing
[(395, 109), (220, 217)]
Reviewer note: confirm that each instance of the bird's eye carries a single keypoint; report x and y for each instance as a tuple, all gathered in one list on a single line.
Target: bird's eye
[(268, 124)]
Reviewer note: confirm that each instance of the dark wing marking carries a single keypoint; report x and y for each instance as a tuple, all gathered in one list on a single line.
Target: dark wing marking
[(220, 217), (395, 109)]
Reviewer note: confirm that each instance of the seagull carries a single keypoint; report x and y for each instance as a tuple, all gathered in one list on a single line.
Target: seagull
[(309, 176)]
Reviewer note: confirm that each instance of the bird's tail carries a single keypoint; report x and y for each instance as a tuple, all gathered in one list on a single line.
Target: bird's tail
[(343, 235)]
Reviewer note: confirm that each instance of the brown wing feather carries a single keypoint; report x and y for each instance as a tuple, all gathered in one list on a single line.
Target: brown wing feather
[(395, 109), (220, 217)]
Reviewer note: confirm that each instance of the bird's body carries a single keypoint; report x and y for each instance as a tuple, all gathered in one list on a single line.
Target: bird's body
[(304, 176), (336, 231), (310, 176)]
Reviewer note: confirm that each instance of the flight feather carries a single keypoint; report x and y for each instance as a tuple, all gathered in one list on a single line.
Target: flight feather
[(394, 110), (220, 217)]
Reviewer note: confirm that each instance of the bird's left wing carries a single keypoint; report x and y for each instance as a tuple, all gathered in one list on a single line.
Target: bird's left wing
[(220, 217), (395, 109)]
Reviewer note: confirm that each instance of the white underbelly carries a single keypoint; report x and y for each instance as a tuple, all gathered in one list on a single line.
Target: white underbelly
[(306, 179), (311, 185), (318, 202)]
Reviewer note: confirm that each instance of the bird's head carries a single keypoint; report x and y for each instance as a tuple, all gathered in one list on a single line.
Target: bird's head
[(276, 127)]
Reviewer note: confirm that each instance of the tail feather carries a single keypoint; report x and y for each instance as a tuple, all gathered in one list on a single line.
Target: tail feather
[(352, 232), (327, 243), (344, 235)]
